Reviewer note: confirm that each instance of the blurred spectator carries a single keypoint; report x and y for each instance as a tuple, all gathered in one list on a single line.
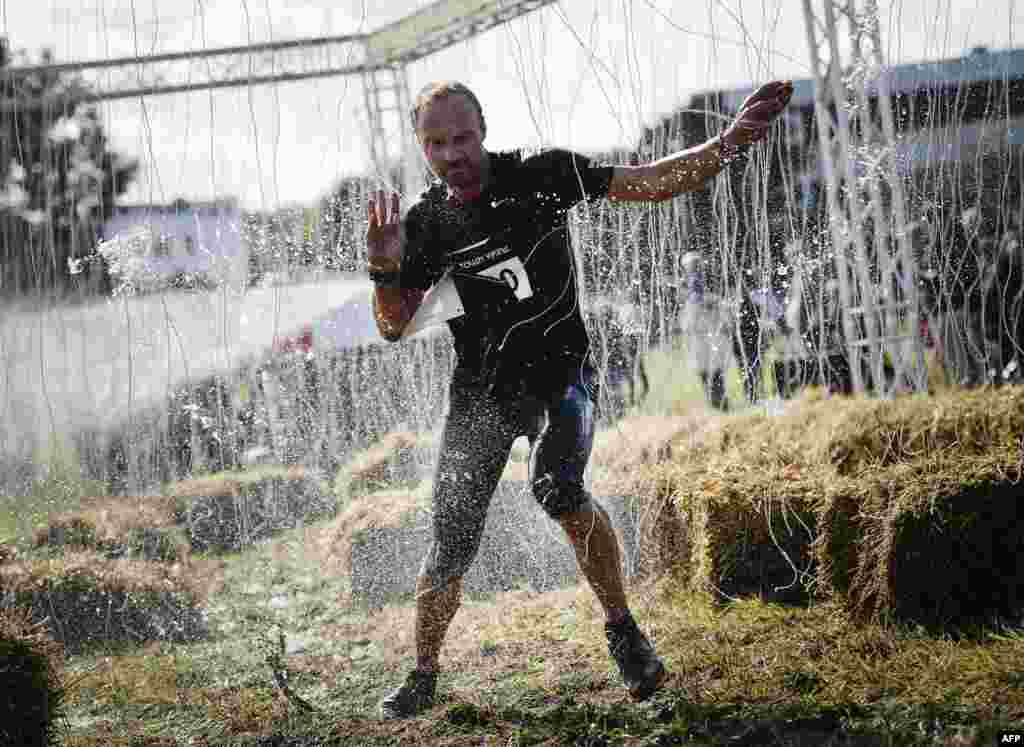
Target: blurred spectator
[(814, 350), (955, 276), (705, 324), (616, 348), (1004, 309)]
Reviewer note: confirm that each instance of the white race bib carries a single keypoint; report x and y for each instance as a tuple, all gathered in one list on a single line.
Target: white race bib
[(441, 303), (512, 273)]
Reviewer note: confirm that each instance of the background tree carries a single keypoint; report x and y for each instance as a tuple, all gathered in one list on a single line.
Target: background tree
[(58, 181)]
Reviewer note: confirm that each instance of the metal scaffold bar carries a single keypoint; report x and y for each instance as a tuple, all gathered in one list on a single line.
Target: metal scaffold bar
[(413, 37), (220, 67), (441, 25)]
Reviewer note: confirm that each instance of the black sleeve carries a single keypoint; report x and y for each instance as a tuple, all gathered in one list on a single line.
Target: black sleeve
[(572, 177), (417, 271)]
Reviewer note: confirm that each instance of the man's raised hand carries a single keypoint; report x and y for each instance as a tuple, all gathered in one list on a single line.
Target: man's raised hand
[(757, 112), (383, 232)]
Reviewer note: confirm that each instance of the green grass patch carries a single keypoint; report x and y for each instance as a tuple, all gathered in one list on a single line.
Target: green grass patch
[(59, 485)]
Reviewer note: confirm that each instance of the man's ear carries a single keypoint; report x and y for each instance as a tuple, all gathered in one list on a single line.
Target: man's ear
[(483, 128)]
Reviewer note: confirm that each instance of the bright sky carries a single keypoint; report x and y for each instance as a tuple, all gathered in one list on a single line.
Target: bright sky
[(585, 74)]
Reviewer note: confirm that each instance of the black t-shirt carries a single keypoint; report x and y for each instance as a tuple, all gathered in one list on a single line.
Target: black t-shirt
[(509, 255)]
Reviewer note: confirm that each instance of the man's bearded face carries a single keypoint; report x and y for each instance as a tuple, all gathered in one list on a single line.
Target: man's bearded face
[(451, 134)]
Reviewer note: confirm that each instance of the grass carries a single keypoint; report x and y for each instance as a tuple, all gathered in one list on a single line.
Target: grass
[(526, 668), (61, 487), (531, 668)]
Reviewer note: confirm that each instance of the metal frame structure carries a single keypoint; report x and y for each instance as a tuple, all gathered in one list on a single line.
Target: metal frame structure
[(871, 315), (379, 57)]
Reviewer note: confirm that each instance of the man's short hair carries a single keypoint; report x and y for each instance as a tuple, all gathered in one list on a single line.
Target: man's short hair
[(442, 89)]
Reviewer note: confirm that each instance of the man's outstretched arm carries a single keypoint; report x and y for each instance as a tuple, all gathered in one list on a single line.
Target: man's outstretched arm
[(684, 171), (688, 170)]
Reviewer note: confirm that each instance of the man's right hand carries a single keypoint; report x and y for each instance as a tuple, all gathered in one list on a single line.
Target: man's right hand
[(757, 113), (383, 233)]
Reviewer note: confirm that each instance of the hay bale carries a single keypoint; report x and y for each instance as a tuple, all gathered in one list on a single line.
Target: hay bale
[(137, 527), (399, 460), (85, 599), (626, 475), (733, 511), (902, 510), (67, 530), (379, 541), (749, 540), (31, 691), (939, 542), (855, 435), (232, 511)]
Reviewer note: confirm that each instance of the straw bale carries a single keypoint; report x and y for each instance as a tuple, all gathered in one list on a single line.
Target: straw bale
[(627, 476), (733, 509), (873, 434), (748, 533), (850, 434), (939, 540), (398, 460), (120, 526), (837, 545), (385, 508), (221, 484), (379, 542), (631, 444), (31, 691), (520, 546), (663, 542), (248, 508), (643, 440), (84, 599), (876, 494)]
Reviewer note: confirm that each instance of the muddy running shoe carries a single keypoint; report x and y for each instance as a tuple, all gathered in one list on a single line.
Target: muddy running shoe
[(641, 669), (416, 694)]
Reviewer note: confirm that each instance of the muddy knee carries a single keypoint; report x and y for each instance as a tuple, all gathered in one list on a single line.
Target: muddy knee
[(559, 498)]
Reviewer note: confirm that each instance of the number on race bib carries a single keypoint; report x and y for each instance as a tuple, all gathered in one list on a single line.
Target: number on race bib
[(512, 273)]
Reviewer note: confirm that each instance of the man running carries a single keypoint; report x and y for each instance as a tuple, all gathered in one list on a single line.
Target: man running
[(494, 225)]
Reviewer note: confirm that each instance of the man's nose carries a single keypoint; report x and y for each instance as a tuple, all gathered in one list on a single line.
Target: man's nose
[(448, 152)]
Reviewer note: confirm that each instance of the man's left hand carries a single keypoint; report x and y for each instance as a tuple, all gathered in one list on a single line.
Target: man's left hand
[(757, 113)]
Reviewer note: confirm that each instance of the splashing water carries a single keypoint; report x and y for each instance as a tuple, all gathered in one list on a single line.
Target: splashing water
[(269, 354)]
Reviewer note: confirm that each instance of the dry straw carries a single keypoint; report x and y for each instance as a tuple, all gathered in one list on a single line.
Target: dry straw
[(396, 460), (87, 599), (902, 509), (32, 693), (118, 526)]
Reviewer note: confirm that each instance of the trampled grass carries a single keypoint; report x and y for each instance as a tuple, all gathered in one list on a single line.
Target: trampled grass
[(529, 668)]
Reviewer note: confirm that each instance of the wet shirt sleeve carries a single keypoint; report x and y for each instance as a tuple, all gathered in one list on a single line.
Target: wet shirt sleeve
[(569, 176), (417, 272)]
